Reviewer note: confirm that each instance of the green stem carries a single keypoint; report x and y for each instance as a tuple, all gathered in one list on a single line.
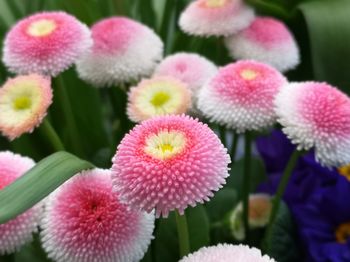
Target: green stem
[(234, 147), (50, 135), (68, 117), (182, 230), (279, 194), (222, 133), (246, 182)]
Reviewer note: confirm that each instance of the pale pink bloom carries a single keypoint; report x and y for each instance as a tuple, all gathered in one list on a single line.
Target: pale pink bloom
[(240, 96), (85, 221), (24, 101), (18, 231), (124, 50), (258, 215), (169, 163), (316, 115), (267, 40), (215, 17), (190, 68), (227, 253), (45, 43), (158, 96)]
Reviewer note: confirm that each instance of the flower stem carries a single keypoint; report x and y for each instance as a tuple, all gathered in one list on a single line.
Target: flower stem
[(234, 147), (182, 230), (50, 135), (222, 133), (246, 182), (67, 115), (279, 194)]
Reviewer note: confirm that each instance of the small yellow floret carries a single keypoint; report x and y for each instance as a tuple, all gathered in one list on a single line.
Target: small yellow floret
[(248, 74), (215, 3), (22, 103), (42, 27)]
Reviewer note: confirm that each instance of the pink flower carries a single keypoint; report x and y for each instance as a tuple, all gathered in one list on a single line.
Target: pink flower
[(169, 163), (84, 221), (45, 43), (215, 17), (18, 231), (240, 96), (156, 97), (124, 50), (316, 115), (227, 253), (267, 40), (190, 68), (24, 101)]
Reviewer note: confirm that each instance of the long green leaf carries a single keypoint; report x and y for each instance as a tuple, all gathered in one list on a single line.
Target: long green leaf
[(329, 34), (37, 183)]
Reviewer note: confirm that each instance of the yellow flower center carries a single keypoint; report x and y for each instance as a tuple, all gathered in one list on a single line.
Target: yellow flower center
[(342, 233), (22, 103), (215, 3), (42, 27), (159, 99), (345, 171), (249, 74), (165, 144)]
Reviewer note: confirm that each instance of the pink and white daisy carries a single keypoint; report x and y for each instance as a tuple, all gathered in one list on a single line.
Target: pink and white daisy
[(227, 253), (18, 231), (85, 221), (215, 17), (258, 214), (24, 101), (190, 68), (169, 163), (316, 115), (156, 97), (267, 40), (124, 50), (240, 96), (45, 43)]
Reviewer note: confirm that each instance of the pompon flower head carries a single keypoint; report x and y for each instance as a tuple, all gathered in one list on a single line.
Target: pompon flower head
[(316, 115), (190, 68), (124, 50), (241, 96), (227, 253), (45, 43), (84, 221), (215, 17), (18, 231), (24, 101), (266, 40), (259, 213), (169, 163), (158, 96)]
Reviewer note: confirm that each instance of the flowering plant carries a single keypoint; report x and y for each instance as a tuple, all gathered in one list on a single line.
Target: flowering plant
[(204, 130)]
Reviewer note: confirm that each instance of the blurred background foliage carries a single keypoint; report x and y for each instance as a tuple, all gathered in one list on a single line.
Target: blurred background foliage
[(98, 122)]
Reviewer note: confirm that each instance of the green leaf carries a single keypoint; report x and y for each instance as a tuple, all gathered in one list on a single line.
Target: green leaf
[(37, 183), (235, 179), (224, 201), (329, 34), (283, 246), (166, 240), (32, 252)]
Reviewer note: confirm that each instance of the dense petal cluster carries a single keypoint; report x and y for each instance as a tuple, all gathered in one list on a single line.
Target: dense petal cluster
[(241, 96), (85, 221), (45, 43), (190, 68), (215, 17), (266, 40), (227, 253), (316, 115), (169, 163), (123, 51), (17, 232), (158, 96), (24, 101), (258, 215)]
